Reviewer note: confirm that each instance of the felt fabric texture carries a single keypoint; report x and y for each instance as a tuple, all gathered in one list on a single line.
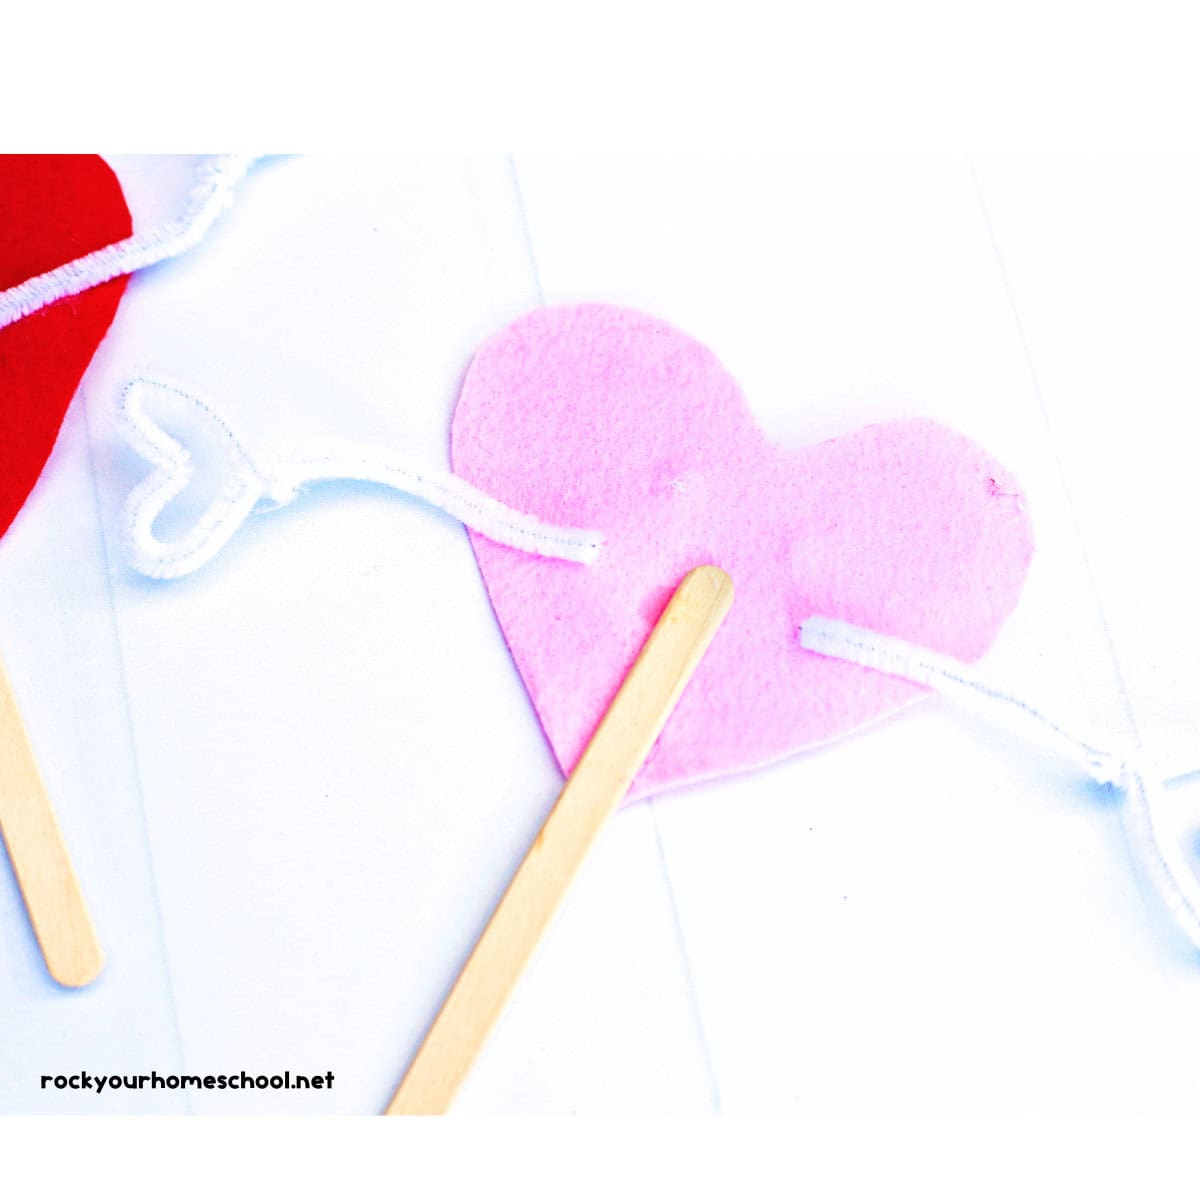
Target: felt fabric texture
[(216, 180), (605, 418), (53, 208)]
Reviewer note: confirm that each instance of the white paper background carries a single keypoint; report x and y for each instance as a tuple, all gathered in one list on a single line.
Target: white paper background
[(295, 783)]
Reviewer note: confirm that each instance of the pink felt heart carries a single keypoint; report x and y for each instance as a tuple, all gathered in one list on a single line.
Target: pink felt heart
[(609, 419)]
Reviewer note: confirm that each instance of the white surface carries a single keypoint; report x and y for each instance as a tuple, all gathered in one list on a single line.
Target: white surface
[(296, 782)]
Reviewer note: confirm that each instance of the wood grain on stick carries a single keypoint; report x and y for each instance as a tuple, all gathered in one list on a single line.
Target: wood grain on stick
[(39, 856), (601, 778)]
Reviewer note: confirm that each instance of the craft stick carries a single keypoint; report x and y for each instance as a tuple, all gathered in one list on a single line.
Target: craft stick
[(601, 778), (39, 856)]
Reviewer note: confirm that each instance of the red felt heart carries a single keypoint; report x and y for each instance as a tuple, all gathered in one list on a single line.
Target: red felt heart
[(53, 208)]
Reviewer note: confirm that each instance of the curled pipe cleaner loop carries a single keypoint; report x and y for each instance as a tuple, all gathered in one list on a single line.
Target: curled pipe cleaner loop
[(250, 478)]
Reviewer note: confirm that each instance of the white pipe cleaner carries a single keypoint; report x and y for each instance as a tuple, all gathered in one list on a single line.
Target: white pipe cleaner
[(217, 177), (1157, 852), (251, 478)]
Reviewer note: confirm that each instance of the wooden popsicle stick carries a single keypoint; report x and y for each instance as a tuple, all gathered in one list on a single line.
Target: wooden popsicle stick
[(601, 778), (39, 856)]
